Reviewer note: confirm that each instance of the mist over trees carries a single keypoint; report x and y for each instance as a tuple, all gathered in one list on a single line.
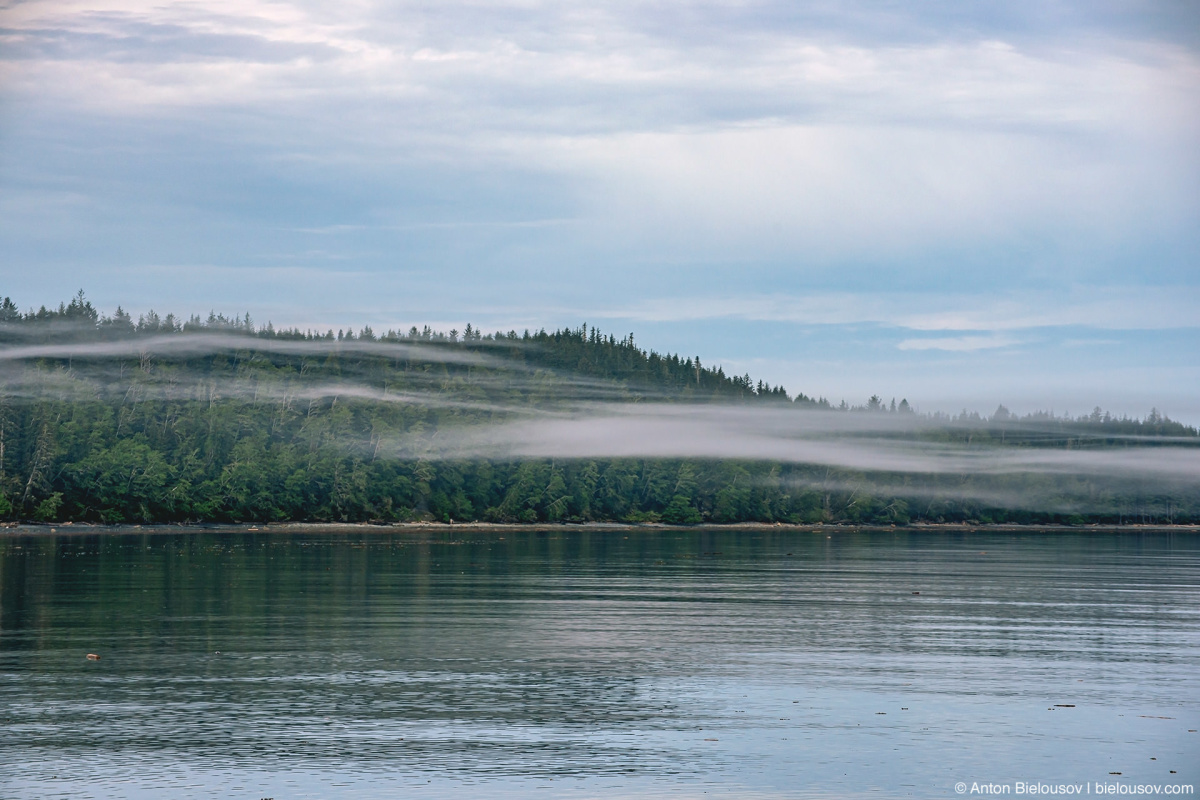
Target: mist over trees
[(164, 419)]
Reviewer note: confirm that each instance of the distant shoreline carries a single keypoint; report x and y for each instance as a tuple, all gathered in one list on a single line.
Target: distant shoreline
[(80, 528)]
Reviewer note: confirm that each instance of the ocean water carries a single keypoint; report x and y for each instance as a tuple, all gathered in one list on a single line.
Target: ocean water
[(604, 663)]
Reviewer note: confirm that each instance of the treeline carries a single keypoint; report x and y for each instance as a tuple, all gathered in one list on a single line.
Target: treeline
[(295, 425)]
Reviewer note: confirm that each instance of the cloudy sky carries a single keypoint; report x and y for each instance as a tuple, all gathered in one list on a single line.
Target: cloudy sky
[(958, 203)]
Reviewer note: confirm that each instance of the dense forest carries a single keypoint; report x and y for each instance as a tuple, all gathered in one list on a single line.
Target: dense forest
[(160, 419)]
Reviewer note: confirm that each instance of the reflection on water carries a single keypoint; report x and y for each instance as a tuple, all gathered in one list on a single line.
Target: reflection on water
[(604, 663)]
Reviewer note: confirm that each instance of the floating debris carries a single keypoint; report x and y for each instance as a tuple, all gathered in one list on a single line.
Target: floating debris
[(93, 657)]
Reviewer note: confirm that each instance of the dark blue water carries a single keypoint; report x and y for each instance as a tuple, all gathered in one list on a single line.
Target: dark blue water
[(595, 663)]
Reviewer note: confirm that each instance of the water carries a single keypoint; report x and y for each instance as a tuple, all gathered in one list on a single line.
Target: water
[(595, 663)]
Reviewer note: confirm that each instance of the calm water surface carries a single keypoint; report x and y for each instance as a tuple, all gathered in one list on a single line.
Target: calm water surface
[(595, 663)]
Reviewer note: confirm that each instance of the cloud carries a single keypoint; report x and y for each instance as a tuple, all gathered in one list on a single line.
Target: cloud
[(867, 442), (822, 193), (958, 344), (197, 344), (731, 137)]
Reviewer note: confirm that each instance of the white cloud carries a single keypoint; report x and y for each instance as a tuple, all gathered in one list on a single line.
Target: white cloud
[(582, 68), (824, 193), (958, 344), (759, 143), (824, 438)]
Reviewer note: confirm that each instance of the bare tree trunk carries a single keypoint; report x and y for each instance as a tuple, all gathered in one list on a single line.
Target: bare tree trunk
[(39, 456), (3, 430)]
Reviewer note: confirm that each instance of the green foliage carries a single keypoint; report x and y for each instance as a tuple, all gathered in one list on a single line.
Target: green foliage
[(263, 431), (47, 509), (681, 512)]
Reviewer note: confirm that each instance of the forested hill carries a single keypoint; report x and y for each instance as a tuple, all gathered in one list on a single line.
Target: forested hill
[(104, 418), (582, 352)]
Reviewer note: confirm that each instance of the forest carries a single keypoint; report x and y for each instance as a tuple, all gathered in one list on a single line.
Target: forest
[(108, 419)]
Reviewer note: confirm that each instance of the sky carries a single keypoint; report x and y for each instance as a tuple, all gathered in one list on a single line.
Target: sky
[(961, 204)]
